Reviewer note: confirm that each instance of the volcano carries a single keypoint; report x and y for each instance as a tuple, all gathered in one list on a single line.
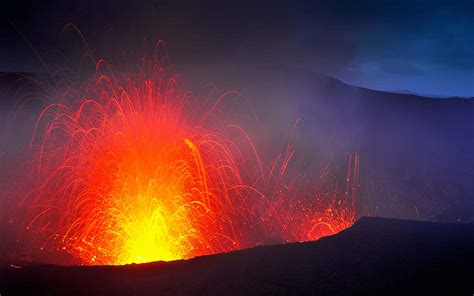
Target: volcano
[(374, 256)]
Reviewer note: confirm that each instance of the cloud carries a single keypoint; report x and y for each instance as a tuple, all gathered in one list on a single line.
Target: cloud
[(396, 37), (400, 67)]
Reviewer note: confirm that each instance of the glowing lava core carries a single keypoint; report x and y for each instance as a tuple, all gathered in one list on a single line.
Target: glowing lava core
[(130, 169)]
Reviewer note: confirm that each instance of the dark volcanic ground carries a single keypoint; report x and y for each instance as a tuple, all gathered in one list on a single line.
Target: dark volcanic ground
[(374, 257)]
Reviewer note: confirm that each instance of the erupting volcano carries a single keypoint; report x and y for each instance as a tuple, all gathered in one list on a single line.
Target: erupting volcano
[(131, 168)]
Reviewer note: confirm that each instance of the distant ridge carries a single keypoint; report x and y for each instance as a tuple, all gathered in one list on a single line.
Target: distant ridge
[(408, 92)]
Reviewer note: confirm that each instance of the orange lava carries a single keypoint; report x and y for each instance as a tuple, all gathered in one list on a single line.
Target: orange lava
[(131, 169)]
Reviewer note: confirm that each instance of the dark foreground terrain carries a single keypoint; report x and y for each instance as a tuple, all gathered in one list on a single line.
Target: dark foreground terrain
[(374, 257)]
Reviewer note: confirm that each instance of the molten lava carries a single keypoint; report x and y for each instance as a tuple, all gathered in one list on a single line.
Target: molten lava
[(130, 168)]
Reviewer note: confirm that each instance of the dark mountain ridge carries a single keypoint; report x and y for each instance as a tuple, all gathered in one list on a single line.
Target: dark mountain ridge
[(417, 153)]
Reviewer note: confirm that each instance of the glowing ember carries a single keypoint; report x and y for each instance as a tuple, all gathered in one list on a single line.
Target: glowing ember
[(130, 170)]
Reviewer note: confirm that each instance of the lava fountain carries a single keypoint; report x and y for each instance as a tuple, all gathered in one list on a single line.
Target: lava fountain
[(130, 168)]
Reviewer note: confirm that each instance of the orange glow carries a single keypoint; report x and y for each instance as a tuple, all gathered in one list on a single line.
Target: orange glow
[(130, 170)]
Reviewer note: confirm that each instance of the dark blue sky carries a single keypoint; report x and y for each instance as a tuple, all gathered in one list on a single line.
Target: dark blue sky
[(417, 46), (422, 46)]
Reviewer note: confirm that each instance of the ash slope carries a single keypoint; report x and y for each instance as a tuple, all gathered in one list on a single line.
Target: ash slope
[(416, 152), (376, 255)]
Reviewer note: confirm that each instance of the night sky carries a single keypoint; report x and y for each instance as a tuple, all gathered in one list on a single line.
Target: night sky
[(413, 46)]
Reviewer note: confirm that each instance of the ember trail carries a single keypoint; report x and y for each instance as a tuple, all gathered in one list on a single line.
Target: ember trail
[(130, 168)]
